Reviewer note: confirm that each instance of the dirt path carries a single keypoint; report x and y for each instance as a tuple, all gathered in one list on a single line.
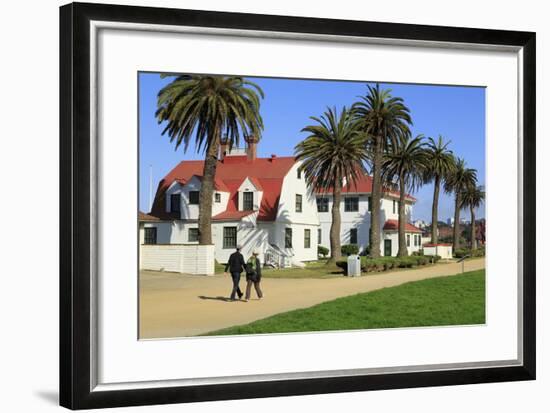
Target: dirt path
[(176, 305)]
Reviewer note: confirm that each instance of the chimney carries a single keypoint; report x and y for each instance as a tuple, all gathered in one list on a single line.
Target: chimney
[(252, 142), (273, 157), (224, 148)]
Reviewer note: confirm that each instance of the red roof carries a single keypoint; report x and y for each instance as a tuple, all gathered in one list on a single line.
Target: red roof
[(393, 225), (363, 185), (143, 217), (231, 215), (231, 172)]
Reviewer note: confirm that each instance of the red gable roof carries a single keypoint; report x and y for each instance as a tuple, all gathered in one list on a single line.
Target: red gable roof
[(230, 173), (363, 185), (393, 225)]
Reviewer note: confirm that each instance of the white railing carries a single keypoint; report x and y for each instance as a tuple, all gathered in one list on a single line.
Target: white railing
[(277, 258)]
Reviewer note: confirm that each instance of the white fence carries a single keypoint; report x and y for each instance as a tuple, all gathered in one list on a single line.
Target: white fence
[(445, 251), (182, 258)]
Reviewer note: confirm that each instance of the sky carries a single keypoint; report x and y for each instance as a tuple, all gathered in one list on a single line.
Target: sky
[(455, 112)]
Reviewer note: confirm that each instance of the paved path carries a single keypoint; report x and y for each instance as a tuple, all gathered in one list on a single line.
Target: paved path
[(176, 305)]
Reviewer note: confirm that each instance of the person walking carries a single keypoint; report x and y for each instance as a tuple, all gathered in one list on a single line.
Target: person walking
[(253, 276), (236, 266)]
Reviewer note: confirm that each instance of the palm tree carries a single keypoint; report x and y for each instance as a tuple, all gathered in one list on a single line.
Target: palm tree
[(440, 164), (473, 197), (405, 162), (208, 107), (456, 182), (334, 151), (384, 119)]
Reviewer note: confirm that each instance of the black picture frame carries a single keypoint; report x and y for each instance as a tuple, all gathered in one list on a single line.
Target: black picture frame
[(75, 196)]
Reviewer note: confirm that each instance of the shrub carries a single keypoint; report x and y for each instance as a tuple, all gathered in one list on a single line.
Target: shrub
[(479, 252), (350, 249), (461, 252), (322, 251)]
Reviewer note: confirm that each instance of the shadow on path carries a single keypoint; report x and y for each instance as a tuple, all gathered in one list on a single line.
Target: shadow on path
[(218, 298)]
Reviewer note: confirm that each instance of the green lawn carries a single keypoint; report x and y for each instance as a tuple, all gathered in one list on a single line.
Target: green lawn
[(454, 300)]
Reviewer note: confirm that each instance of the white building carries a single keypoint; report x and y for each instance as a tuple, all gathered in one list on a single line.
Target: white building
[(259, 203), (264, 204), (355, 212)]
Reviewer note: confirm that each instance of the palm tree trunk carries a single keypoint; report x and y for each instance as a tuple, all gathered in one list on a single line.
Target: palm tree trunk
[(435, 205), (473, 229), (402, 252), (335, 248), (374, 233), (456, 227), (206, 193)]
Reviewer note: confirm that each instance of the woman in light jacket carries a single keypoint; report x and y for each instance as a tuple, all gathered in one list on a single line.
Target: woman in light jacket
[(253, 275)]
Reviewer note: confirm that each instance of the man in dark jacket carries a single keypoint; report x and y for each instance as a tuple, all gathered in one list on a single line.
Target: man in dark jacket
[(236, 266)]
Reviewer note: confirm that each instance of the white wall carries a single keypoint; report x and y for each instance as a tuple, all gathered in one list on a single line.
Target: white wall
[(249, 235), (444, 251), (394, 237), (39, 371), (187, 259), (359, 219)]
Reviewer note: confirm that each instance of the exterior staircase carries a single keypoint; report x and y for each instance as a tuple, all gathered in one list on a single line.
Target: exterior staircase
[(277, 258)]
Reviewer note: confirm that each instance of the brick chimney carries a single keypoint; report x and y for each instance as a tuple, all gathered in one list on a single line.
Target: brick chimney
[(251, 144), (224, 148)]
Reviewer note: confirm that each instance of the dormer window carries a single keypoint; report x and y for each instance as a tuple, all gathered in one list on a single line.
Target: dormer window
[(248, 201), (299, 173), (175, 203), (193, 197)]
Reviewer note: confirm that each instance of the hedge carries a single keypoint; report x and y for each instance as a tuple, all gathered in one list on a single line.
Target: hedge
[(349, 249), (322, 251), (388, 263), (462, 252)]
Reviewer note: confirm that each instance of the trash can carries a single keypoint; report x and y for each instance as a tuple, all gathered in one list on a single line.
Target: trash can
[(354, 266)]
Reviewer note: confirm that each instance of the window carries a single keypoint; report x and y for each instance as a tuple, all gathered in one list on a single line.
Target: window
[(229, 237), (193, 235), (194, 197), (288, 237), (394, 206), (150, 236), (307, 238), (353, 236), (351, 204), (218, 197), (175, 203), (299, 173), (322, 204), (248, 201), (298, 203), (408, 240), (319, 236), (369, 203)]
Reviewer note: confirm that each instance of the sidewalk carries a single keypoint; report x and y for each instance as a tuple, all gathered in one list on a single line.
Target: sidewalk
[(176, 305)]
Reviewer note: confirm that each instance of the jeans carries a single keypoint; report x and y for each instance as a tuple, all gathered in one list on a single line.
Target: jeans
[(236, 276)]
